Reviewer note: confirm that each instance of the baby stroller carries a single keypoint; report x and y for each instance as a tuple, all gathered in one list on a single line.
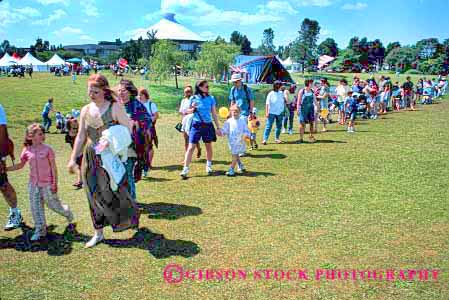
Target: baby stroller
[(60, 122)]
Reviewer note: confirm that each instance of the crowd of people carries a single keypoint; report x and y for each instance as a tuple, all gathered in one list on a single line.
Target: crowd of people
[(114, 137)]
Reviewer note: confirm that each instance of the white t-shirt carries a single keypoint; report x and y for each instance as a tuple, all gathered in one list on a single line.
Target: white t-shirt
[(2, 116), (151, 110), (276, 103), (342, 92), (185, 105), (236, 129)]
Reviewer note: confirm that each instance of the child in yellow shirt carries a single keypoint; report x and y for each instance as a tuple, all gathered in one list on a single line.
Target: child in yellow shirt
[(253, 126)]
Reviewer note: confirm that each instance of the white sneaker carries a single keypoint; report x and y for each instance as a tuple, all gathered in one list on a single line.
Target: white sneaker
[(240, 167), (283, 130), (184, 172), (14, 220), (97, 238), (209, 170), (290, 132)]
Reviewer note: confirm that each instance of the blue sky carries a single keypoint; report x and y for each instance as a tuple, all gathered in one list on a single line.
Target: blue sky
[(89, 21)]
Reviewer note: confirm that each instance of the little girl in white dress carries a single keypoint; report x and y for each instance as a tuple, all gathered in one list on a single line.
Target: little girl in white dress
[(236, 129)]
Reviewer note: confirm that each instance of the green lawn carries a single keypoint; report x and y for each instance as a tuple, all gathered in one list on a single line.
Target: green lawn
[(377, 199)]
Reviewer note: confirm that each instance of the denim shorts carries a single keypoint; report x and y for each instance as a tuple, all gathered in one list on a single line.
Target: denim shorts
[(308, 117), (202, 131)]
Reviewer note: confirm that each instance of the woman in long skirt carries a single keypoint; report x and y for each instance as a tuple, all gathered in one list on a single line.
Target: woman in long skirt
[(107, 207)]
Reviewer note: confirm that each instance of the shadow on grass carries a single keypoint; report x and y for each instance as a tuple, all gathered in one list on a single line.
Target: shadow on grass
[(156, 244), (255, 174), (168, 211), (55, 244), (329, 142), (169, 168), (272, 156), (154, 179)]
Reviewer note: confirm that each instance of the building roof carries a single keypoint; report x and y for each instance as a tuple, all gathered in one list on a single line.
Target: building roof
[(29, 59), (92, 47), (170, 29)]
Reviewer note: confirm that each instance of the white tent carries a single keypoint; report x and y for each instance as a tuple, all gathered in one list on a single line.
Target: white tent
[(291, 66), (7, 60), (324, 60), (29, 59), (56, 60), (169, 29)]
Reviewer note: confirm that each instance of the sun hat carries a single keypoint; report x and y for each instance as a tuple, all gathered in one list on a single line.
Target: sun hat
[(236, 77)]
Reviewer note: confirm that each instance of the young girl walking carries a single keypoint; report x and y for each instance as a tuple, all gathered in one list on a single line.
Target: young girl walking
[(43, 184), (237, 131)]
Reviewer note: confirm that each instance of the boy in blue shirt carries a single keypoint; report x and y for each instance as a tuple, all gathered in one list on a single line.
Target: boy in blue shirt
[(45, 114)]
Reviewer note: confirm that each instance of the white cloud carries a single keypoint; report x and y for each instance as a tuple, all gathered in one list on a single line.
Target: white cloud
[(201, 13), (208, 35), (48, 2), (355, 6), (86, 37), (68, 30), (277, 7), (56, 15), (9, 15), (89, 8), (320, 3)]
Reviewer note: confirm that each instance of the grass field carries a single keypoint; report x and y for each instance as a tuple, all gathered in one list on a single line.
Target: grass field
[(374, 200)]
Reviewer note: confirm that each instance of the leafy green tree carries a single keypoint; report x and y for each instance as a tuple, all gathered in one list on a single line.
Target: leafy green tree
[(267, 46), (304, 48), (215, 58), (246, 46), (328, 47), (165, 59), (4, 47), (428, 48), (401, 58), (392, 46), (236, 38)]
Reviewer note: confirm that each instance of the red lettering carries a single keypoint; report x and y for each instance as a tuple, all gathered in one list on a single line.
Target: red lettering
[(423, 275), (411, 274), (318, 274), (257, 275), (242, 274), (303, 275), (267, 273), (435, 274), (279, 275), (390, 275), (402, 275), (330, 274), (190, 274)]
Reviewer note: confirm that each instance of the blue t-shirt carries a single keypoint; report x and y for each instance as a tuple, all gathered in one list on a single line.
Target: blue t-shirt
[(351, 104), (2, 116), (203, 108), (241, 99), (47, 108)]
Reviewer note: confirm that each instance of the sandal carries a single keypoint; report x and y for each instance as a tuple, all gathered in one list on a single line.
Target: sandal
[(278, 142), (312, 139)]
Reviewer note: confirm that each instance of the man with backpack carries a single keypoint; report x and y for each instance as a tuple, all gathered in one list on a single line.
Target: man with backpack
[(241, 95)]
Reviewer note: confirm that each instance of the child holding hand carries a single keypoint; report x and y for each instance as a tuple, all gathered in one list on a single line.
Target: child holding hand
[(43, 184), (237, 131)]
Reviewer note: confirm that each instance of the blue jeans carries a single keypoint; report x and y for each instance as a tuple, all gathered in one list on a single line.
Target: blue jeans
[(270, 120), (129, 165), (288, 119), (47, 122)]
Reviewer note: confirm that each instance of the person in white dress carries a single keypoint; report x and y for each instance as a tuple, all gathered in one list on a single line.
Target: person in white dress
[(236, 129)]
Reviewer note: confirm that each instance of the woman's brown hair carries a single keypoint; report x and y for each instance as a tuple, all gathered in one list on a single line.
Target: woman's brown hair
[(129, 86), (31, 131), (100, 81), (144, 92)]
